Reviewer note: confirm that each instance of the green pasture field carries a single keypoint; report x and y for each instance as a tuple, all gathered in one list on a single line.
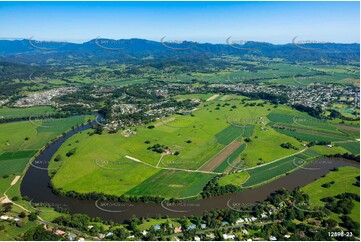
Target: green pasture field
[(6, 112), (230, 159), (310, 137), (322, 149), (235, 179), (353, 147), (15, 162), (327, 130), (272, 73), (15, 151), (248, 131), (311, 152), (265, 173), (169, 184), (227, 135), (315, 124), (11, 231), (353, 131), (197, 137), (280, 117), (5, 183), (344, 179), (28, 135), (266, 147)]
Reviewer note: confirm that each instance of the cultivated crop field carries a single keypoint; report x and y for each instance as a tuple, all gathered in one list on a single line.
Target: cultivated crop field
[(181, 153)]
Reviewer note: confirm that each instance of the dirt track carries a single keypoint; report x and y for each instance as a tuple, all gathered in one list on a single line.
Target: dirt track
[(214, 162), (212, 98)]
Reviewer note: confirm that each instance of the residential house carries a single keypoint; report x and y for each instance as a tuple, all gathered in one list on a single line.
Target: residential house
[(224, 223), (178, 230), (239, 221), (59, 232), (229, 236), (192, 226), (272, 238)]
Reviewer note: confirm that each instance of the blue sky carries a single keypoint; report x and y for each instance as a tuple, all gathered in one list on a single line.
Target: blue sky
[(214, 22)]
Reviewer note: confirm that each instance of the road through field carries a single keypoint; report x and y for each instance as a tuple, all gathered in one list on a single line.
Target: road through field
[(166, 168)]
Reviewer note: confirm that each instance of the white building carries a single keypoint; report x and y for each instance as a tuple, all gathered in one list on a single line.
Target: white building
[(229, 236)]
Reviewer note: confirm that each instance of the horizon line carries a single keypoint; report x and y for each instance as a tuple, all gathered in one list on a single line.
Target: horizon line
[(74, 41)]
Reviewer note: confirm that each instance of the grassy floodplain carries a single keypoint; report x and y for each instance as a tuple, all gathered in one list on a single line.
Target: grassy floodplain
[(344, 179), (115, 164), (20, 141), (6, 112)]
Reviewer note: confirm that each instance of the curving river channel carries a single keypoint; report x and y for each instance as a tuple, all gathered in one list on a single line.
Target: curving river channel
[(35, 185)]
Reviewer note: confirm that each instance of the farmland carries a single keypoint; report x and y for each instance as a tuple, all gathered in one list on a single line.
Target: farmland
[(222, 135), (169, 184), (6, 112)]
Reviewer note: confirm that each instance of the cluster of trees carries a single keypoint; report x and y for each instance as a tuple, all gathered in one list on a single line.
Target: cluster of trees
[(69, 153), (158, 148), (342, 203), (106, 197), (38, 233), (315, 112), (328, 184), (288, 145), (213, 189), (247, 140), (346, 156)]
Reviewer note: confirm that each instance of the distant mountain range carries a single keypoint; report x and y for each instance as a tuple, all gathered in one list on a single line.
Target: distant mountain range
[(100, 49)]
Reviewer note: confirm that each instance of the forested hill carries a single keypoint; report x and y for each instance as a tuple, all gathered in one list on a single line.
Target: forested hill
[(34, 51)]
